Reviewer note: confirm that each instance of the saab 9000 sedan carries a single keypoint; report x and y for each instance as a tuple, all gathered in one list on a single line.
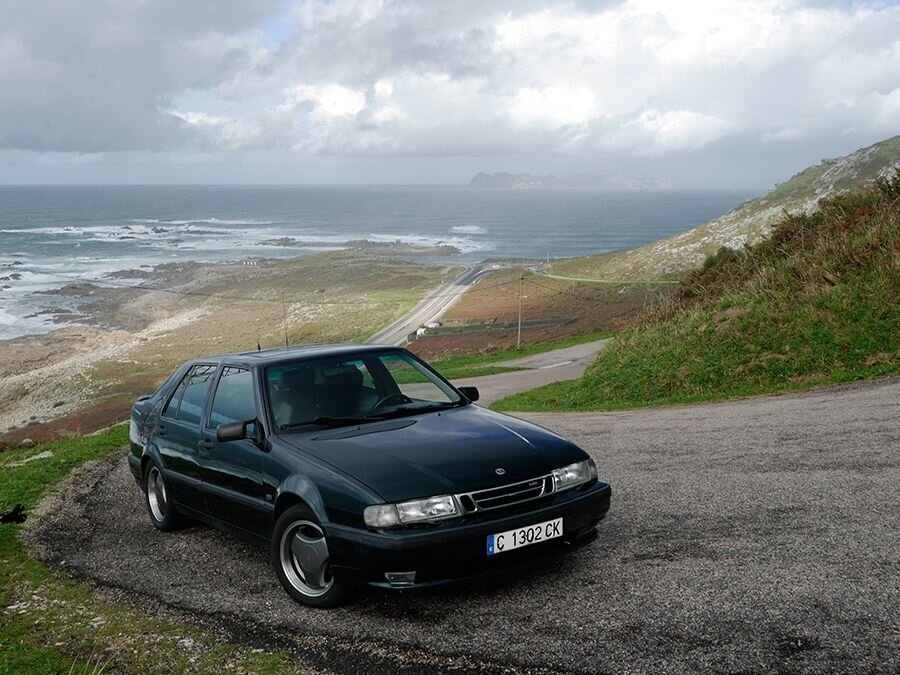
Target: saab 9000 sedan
[(358, 465)]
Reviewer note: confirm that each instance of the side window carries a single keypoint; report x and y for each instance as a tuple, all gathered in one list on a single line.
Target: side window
[(186, 403), (171, 409), (195, 394), (233, 400)]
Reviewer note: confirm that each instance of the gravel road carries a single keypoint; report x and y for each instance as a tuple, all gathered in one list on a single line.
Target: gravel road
[(752, 535)]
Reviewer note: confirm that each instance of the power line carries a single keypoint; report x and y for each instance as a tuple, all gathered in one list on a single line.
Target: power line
[(557, 291)]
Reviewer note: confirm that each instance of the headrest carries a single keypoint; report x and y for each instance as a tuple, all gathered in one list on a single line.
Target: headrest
[(301, 378), (342, 376)]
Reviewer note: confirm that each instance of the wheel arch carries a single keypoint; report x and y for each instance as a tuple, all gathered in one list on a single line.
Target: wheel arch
[(151, 452), (300, 490)]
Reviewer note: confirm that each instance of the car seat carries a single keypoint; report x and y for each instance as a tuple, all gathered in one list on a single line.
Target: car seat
[(341, 392), (295, 399)]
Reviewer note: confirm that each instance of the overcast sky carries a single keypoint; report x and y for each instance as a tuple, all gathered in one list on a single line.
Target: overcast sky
[(702, 94)]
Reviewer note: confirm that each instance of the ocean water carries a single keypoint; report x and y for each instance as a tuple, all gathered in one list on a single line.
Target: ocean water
[(51, 236)]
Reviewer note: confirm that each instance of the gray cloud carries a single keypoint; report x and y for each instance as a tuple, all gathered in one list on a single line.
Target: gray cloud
[(638, 80), (97, 76)]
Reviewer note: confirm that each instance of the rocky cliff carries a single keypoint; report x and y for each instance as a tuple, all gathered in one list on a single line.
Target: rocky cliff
[(747, 224)]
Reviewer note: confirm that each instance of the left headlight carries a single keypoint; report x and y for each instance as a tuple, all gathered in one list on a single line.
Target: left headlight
[(415, 511), (574, 474)]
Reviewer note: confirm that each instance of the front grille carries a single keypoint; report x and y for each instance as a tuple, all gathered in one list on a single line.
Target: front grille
[(506, 495)]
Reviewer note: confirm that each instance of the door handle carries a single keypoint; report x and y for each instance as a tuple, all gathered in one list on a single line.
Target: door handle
[(161, 431), (206, 444)]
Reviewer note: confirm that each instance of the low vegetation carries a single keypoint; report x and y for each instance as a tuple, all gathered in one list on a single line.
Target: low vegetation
[(53, 624), (815, 303), (484, 320)]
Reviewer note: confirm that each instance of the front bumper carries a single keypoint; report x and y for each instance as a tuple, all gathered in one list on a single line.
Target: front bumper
[(457, 551)]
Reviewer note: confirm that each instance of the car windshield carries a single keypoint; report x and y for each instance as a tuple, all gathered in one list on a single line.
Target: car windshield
[(352, 390)]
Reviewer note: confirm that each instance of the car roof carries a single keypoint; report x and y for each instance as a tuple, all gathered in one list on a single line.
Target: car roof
[(267, 357)]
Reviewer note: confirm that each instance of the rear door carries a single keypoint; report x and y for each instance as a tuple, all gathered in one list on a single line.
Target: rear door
[(178, 435), (231, 471)]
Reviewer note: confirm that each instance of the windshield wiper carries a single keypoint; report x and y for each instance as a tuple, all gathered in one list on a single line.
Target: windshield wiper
[(328, 421), (340, 421), (442, 406), (416, 409)]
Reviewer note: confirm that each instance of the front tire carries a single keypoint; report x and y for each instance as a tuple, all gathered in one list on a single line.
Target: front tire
[(159, 501), (301, 560)]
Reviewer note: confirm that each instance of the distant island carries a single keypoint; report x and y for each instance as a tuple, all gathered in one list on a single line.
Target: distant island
[(584, 181)]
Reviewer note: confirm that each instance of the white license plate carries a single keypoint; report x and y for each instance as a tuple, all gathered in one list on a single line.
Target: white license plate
[(524, 536)]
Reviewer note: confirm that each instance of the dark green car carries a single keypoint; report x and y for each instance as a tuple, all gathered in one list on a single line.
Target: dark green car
[(358, 466)]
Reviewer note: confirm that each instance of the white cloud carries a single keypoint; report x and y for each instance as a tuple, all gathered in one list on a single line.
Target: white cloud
[(444, 77), (329, 100), (655, 131), (554, 106), (384, 89)]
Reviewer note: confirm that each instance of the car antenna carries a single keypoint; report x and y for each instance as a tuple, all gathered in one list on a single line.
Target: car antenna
[(284, 312), (258, 348)]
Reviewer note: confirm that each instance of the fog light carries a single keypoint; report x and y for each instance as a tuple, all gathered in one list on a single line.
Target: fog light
[(400, 578)]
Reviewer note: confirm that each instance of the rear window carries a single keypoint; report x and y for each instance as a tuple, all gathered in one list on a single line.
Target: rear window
[(186, 404)]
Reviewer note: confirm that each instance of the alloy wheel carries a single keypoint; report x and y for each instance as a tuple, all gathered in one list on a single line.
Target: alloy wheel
[(304, 558)]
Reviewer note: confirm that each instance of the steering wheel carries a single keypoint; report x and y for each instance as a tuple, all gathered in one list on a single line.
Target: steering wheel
[(399, 396)]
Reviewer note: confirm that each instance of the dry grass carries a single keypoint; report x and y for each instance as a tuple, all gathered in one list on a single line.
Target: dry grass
[(495, 300)]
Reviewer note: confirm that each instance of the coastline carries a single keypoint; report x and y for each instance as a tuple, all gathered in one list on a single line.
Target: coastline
[(124, 338)]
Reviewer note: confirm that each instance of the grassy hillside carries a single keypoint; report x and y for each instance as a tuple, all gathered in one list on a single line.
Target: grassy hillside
[(749, 223), (815, 303)]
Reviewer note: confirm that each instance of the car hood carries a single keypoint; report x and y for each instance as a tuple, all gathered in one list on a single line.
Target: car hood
[(445, 452)]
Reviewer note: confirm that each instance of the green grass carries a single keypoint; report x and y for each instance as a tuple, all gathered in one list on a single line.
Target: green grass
[(53, 624), (814, 304), (458, 367), (802, 185)]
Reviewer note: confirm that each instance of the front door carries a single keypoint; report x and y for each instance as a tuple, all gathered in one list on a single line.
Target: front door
[(231, 470)]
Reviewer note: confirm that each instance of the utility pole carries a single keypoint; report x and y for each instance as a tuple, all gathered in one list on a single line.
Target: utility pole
[(284, 314), (519, 333)]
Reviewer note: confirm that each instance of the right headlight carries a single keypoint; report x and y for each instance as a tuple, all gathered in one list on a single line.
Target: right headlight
[(415, 511), (574, 474)]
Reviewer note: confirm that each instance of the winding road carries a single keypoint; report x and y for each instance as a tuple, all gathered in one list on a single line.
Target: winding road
[(430, 308)]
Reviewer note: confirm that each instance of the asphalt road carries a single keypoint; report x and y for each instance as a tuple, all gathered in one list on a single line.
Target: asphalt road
[(745, 536), (429, 309), (558, 365)]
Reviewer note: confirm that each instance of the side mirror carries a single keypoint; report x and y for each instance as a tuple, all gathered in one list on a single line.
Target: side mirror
[(470, 393), (237, 431)]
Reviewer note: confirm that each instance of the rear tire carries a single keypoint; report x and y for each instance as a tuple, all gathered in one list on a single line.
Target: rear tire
[(301, 560), (158, 498)]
